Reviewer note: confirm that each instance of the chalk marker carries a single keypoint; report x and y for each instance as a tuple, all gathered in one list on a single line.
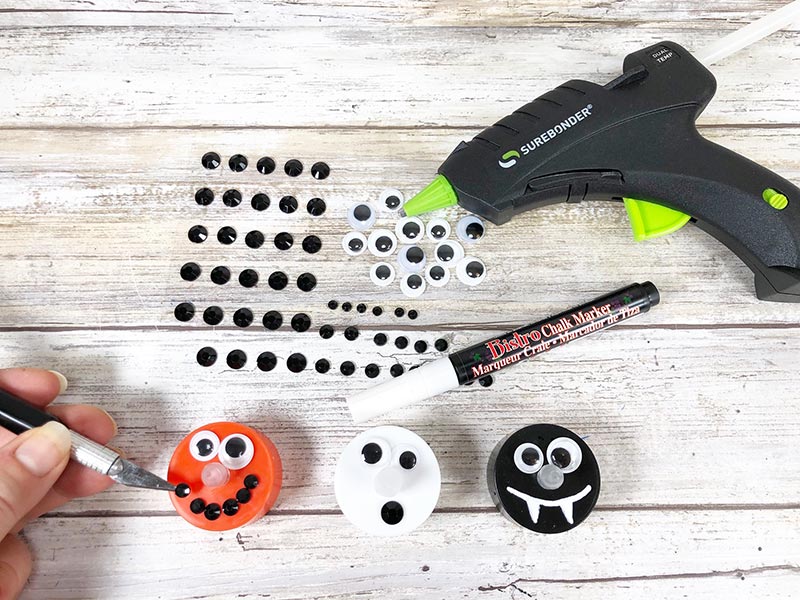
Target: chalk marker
[(497, 353)]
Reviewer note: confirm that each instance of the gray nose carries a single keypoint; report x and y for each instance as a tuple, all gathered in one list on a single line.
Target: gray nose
[(550, 477)]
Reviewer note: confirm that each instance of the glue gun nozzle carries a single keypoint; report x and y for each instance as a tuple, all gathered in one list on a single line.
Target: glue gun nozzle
[(437, 194)]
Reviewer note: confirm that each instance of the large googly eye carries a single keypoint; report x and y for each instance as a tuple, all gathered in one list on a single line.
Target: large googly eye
[(409, 230), (437, 275), (411, 258), (382, 242), (391, 198), (438, 229), (412, 285), (204, 446), (565, 454), (528, 458), (375, 452), (361, 216), (236, 451), (470, 229), (471, 270), (382, 274), (448, 252), (354, 243)]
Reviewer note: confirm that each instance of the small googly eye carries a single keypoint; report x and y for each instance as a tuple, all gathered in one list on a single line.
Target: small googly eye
[(411, 258), (438, 229), (412, 285), (375, 452), (470, 229), (382, 274), (406, 457), (382, 242), (204, 446), (354, 243), (449, 252), (391, 198), (437, 275), (528, 458), (236, 451), (470, 270), (565, 454), (361, 216), (409, 230)]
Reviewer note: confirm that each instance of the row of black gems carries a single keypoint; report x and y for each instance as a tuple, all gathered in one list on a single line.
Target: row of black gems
[(265, 165), (213, 511), (227, 235), (243, 317), (376, 310), (401, 342), (287, 204), (249, 278)]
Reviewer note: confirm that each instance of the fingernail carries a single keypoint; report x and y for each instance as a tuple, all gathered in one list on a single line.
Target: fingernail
[(63, 384), (44, 448), (110, 418)]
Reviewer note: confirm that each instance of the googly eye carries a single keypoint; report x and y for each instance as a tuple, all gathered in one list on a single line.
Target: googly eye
[(448, 252), (382, 274), (375, 453), (470, 229), (204, 446), (361, 216), (438, 229), (409, 230), (565, 454), (528, 458), (470, 270), (236, 451), (382, 242), (411, 258), (437, 275), (412, 285), (391, 198), (354, 243)]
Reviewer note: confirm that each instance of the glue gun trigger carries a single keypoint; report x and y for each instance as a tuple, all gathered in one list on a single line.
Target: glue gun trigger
[(650, 221)]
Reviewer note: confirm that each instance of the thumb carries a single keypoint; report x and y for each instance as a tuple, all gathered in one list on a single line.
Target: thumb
[(29, 466)]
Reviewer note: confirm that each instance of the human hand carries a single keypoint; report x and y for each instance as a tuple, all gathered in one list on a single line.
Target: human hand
[(35, 473)]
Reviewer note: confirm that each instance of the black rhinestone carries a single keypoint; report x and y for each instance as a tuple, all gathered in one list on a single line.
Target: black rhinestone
[(251, 482), (372, 453), (316, 207), (301, 322), (420, 346), (372, 370), (243, 496), (293, 167), (236, 359), (213, 315), (204, 196), (288, 204), (213, 511), (197, 506), (260, 202), (265, 165), (248, 278), (206, 356), (266, 361), (226, 235), (230, 507), (312, 244), (401, 342), (396, 370), (441, 344), (220, 275), (486, 381), (399, 312), (210, 160), (347, 368), (232, 198), (362, 308), (243, 317), (320, 170), (198, 234), (347, 306), (190, 271), (296, 362), (333, 304), (380, 339), (392, 513), (377, 311), (474, 231), (323, 365), (278, 280), (284, 240), (254, 239), (408, 460), (306, 282), (237, 163), (351, 333), (182, 490), (412, 314), (184, 311), (272, 320), (326, 332)]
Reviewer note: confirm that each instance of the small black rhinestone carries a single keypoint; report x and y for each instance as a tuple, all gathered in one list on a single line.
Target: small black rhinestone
[(301, 322), (288, 204), (197, 506), (283, 240), (392, 513), (236, 359), (182, 490), (441, 344), (198, 234), (232, 198), (401, 342), (306, 282), (254, 239), (296, 362), (213, 315), (333, 304), (272, 320), (316, 207), (226, 235), (243, 317), (184, 311), (312, 244), (213, 511), (347, 307), (486, 381), (396, 370), (412, 314), (230, 507), (204, 196), (380, 339), (278, 280), (372, 370), (220, 275), (420, 346), (326, 332), (408, 460), (377, 311), (237, 163), (323, 365), (351, 333), (206, 356), (248, 278), (320, 170), (266, 361), (362, 308), (347, 368), (190, 271), (265, 165), (210, 160), (251, 482), (399, 312), (243, 496), (293, 167), (260, 202)]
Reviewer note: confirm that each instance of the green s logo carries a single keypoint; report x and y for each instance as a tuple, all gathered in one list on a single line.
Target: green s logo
[(506, 163)]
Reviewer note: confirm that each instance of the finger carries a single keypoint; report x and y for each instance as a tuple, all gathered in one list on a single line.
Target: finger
[(36, 386), (15, 566), (29, 466)]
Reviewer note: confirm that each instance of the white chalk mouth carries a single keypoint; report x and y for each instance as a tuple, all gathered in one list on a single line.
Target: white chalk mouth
[(565, 504)]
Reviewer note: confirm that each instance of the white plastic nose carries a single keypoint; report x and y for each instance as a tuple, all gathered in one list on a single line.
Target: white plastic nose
[(215, 475), (550, 477), (389, 482)]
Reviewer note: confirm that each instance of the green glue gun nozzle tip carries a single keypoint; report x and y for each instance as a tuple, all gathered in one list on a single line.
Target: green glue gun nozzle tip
[(437, 194)]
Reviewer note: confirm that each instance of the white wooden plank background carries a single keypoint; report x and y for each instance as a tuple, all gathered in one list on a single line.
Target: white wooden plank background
[(691, 409)]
